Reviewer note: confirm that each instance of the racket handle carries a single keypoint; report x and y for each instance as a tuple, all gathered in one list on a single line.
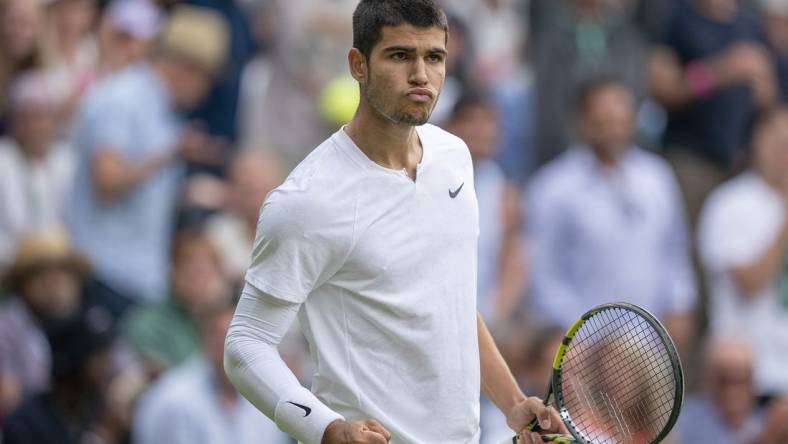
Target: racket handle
[(558, 438), (547, 437)]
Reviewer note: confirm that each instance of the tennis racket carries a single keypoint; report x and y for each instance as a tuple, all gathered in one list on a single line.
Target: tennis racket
[(616, 379)]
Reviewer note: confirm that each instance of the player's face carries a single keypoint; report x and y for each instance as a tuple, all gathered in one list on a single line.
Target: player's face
[(405, 73)]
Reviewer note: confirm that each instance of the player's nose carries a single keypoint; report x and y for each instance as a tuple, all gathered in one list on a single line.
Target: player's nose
[(418, 75)]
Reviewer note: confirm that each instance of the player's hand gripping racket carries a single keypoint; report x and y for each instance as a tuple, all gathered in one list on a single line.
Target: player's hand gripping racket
[(616, 379)]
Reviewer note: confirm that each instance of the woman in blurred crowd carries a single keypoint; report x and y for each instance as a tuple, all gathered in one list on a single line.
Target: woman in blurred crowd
[(45, 280), (35, 171)]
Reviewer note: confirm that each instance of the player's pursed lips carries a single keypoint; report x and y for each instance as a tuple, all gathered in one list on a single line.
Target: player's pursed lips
[(421, 95)]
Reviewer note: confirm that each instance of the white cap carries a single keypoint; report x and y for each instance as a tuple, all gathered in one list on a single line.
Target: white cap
[(141, 19)]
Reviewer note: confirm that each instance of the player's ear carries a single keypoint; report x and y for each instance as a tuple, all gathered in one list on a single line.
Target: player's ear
[(358, 65)]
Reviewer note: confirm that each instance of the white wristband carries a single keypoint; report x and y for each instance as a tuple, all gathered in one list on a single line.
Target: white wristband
[(304, 417)]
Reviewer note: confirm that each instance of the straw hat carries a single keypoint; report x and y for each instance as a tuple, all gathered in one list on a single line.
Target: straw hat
[(42, 249), (198, 35)]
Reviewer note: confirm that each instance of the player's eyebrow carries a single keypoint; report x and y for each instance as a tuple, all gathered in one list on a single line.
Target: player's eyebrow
[(396, 48), (412, 49)]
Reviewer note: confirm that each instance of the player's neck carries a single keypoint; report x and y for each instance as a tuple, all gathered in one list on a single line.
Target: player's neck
[(393, 146)]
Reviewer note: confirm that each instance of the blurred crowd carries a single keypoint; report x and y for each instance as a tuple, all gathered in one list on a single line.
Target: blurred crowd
[(624, 150)]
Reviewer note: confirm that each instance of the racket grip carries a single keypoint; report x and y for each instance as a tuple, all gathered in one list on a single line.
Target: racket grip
[(558, 438), (547, 437), (532, 427)]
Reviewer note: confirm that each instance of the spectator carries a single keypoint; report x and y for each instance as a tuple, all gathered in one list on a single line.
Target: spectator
[(253, 174), (571, 41), (498, 34), (21, 25), (72, 52), (500, 265), (726, 411), (606, 221), (44, 281), (73, 409), (743, 237), (196, 404), (164, 334), (127, 30), (711, 74), (292, 71), (219, 108), (131, 140), (36, 173)]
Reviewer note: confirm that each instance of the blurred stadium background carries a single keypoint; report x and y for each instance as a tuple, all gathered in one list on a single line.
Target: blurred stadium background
[(139, 139)]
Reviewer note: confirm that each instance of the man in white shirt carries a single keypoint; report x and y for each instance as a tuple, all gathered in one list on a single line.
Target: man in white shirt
[(371, 240), (194, 403), (606, 221), (743, 239)]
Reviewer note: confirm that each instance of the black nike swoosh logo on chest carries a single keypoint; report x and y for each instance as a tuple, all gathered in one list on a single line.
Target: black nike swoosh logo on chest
[(454, 194), (306, 409)]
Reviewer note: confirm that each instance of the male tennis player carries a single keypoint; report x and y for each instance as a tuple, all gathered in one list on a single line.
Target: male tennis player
[(371, 240)]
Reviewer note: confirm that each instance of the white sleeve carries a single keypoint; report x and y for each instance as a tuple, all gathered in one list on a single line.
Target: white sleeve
[(254, 367), (298, 245)]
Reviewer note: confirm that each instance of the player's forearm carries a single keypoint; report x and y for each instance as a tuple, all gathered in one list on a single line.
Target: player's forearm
[(254, 367), (497, 381)]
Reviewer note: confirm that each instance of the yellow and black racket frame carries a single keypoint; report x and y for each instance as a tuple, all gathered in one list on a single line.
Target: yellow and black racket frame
[(555, 391)]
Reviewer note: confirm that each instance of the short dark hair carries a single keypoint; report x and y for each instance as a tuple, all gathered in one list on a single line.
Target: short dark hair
[(371, 16), (592, 85)]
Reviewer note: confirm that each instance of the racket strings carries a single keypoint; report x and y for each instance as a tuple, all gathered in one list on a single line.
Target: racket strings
[(618, 416), (618, 380)]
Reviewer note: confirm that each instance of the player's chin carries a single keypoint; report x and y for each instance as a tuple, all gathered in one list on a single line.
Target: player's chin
[(414, 117)]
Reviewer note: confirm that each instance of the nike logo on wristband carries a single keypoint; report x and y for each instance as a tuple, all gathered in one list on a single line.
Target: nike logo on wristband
[(306, 409)]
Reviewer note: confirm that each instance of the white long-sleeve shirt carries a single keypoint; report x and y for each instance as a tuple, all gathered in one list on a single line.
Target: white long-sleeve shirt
[(382, 272)]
